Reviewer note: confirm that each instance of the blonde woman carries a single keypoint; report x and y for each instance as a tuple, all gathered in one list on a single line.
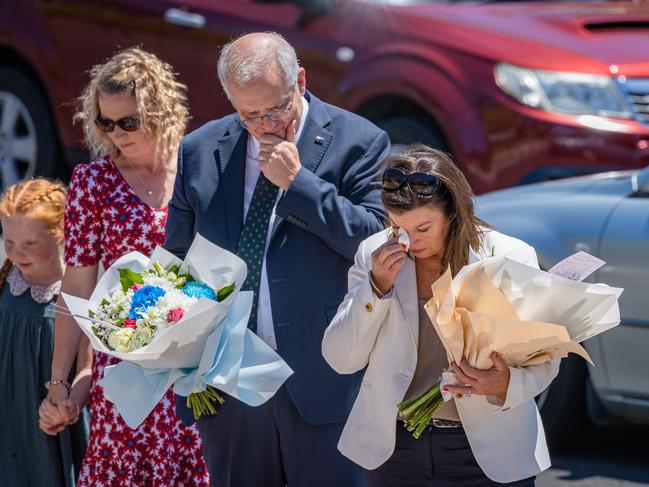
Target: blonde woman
[(134, 114)]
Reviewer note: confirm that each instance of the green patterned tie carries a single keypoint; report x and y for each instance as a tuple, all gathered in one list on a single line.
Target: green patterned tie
[(252, 242)]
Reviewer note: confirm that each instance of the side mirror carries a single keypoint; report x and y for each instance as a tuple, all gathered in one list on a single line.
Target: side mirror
[(640, 182)]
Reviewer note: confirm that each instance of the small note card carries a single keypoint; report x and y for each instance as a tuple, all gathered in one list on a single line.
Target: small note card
[(578, 266)]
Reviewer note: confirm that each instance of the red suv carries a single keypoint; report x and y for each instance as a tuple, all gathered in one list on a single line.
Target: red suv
[(517, 92)]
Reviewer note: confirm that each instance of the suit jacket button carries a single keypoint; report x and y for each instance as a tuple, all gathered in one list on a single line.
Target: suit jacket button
[(368, 307)]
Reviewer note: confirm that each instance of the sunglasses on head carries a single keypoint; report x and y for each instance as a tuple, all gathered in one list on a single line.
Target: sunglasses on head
[(127, 124), (420, 183)]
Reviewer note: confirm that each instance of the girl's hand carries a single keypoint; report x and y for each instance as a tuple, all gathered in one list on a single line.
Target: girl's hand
[(387, 261), (52, 419), (491, 382), (70, 410)]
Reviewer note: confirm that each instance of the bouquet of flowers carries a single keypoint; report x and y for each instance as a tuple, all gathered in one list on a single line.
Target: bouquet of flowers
[(527, 315), (181, 324), (148, 303)]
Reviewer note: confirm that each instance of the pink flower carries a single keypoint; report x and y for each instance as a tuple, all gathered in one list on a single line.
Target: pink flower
[(136, 286), (175, 315), (130, 323)]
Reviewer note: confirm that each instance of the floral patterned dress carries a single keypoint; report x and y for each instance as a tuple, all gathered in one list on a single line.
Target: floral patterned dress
[(104, 219)]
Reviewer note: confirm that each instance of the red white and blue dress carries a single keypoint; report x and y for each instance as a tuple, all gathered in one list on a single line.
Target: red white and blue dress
[(105, 219)]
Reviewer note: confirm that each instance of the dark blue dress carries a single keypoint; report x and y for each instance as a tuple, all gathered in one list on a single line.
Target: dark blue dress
[(29, 457)]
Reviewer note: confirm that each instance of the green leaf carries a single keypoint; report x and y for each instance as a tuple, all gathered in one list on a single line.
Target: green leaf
[(225, 292), (91, 313), (95, 330), (493, 250), (127, 278), (104, 302)]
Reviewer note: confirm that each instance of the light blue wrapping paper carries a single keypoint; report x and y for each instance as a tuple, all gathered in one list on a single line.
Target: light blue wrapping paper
[(235, 361)]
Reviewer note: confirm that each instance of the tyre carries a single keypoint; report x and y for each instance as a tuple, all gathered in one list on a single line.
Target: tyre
[(28, 142), (563, 406), (404, 131)]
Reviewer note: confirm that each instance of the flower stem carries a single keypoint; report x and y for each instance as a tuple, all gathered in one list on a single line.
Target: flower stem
[(203, 403), (417, 412)]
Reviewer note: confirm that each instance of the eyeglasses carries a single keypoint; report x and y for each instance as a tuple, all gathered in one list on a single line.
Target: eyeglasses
[(275, 115), (421, 183), (127, 124)]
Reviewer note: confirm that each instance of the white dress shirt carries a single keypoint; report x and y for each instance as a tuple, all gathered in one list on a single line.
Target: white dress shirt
[(265, 328)]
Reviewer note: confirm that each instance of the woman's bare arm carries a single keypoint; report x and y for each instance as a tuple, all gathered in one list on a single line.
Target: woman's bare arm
[(77, 281)]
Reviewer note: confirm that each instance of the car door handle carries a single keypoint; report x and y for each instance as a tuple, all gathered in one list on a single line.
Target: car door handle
[(186, 19)]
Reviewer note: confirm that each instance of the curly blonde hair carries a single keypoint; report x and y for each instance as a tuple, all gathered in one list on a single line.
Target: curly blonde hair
[(38, 199), (161, 100)]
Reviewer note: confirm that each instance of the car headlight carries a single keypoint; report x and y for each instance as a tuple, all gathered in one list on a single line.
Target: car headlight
[(557, 91)]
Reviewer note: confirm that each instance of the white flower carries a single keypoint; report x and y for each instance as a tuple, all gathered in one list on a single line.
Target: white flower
[(153, 280), (119, 340)]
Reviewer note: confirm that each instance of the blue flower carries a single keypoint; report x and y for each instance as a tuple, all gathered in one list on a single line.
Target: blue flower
[(143, 299), (199, 290)]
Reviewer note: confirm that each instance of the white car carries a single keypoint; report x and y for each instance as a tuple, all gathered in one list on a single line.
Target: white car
[(606, 215)]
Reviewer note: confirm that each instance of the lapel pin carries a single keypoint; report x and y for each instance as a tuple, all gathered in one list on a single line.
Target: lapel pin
[(319, 140)]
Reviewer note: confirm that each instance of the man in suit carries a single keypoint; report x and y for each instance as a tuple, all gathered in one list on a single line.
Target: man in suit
[(289, 184)]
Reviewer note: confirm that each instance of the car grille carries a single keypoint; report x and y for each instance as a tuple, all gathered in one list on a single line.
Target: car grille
[(637, 94)]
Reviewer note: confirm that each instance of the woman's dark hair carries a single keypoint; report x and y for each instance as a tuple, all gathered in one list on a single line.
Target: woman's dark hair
[(453, 197)]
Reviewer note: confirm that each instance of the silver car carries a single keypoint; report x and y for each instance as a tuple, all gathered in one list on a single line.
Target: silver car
[(606, 215)]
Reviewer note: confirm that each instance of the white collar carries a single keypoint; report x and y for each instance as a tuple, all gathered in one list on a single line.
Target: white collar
[(40, 293)]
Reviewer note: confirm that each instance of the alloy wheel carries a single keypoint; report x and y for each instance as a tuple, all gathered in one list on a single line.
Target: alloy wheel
[(18, 142)]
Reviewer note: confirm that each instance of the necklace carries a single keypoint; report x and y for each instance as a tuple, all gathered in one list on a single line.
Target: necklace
[(148, 189)]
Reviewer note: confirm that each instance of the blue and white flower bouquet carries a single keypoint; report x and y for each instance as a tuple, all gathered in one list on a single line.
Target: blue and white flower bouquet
[(181, 324), (147, 304)]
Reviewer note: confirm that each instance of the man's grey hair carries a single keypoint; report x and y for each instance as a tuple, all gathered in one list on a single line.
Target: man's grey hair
[(241, 66)]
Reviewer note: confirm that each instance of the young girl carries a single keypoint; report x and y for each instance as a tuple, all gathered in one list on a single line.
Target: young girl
[(31, 213)]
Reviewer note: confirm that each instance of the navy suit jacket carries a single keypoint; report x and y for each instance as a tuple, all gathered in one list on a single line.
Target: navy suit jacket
[(332, 205)]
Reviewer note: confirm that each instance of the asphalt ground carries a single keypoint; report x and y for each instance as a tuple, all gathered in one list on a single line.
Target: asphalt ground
[(609, 457)]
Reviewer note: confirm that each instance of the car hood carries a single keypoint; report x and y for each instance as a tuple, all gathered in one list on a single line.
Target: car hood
[(614, 184), (594, 35)]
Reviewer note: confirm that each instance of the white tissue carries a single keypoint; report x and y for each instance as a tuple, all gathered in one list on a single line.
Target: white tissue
[(404, 239)]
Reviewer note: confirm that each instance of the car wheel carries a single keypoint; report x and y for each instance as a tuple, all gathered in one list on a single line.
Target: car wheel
[(563, 406), (28, 144), (404, 131)]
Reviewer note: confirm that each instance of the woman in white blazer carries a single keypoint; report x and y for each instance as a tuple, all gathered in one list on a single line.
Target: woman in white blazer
[(491, 432)]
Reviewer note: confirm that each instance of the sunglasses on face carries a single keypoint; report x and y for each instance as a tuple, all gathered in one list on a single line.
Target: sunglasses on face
[(127, 124), (419, 183)]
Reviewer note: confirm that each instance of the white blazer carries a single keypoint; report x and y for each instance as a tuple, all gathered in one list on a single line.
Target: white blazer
[(507, 440)]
